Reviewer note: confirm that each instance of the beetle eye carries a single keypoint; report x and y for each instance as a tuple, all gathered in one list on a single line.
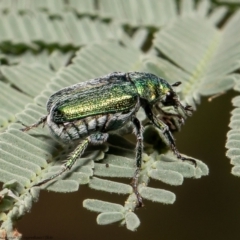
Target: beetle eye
[(170, 99)]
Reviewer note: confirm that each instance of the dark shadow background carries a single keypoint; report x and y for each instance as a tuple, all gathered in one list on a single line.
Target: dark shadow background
[(206, 208)]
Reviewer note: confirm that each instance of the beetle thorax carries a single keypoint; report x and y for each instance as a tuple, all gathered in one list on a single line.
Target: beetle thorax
[(150, 87)]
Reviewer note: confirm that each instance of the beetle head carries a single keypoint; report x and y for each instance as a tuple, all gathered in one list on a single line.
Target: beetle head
[(170, 98)]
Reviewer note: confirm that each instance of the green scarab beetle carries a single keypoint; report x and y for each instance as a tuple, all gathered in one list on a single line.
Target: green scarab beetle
[(88, 111)]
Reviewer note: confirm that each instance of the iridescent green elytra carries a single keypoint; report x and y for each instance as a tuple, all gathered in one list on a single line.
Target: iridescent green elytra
[(88, 111)]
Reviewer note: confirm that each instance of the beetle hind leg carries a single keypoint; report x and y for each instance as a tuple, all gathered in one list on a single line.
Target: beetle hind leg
[(79, 150), (97, 138), (39, 122), (139, 150)]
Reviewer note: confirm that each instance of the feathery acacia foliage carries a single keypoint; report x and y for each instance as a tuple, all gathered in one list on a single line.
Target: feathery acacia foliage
[(48, 45)]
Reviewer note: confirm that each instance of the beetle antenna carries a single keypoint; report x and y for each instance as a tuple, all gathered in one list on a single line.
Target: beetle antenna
[(176, 84)]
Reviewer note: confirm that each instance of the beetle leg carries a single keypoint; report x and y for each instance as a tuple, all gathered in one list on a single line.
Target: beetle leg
[(40, 121), (71, 160), (167, 134), (97, 138), (139, 149)]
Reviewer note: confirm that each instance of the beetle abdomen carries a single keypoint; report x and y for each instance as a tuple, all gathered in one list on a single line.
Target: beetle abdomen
[(79, 129)]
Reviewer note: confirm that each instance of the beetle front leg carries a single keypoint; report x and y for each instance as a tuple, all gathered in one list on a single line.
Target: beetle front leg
[(170, 138), (167, 134), (139, 150)]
